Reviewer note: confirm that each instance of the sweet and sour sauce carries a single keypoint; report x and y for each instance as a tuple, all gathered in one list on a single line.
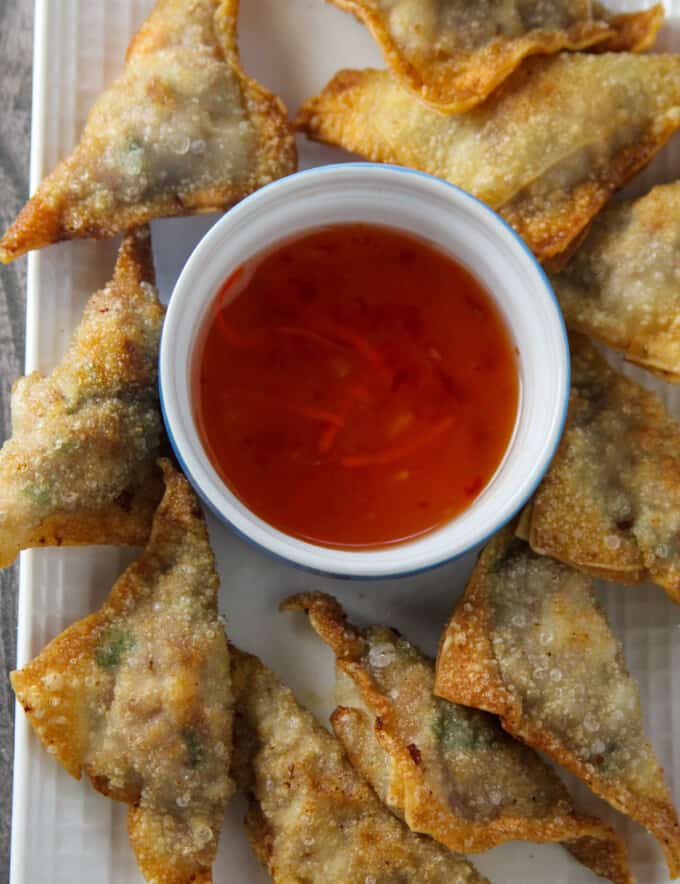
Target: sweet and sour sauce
[(355, 386)]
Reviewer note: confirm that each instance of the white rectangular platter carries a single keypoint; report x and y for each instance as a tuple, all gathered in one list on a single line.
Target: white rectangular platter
[(64, 832)]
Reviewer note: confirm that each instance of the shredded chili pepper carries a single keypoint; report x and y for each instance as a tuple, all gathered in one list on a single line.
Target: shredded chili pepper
[(357, 393), (314, 414), (327, 438), (310, 412), (306, 333), (389, 455), (338, 332)]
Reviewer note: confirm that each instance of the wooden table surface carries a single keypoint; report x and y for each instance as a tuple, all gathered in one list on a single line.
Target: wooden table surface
[(16, 38)]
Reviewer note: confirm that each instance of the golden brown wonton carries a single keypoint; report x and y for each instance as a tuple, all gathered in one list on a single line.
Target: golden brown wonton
[(450, 772), (182, 130), (546, 150), (80, 466), (529, 643), (454, 53), (138, 696), (623, 283), (312, 818), (610, 502)]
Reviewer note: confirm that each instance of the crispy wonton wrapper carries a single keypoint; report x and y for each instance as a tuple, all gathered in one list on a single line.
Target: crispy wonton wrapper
[(610, 502), (529, 643), (448, 771), (312, 818), (547, 149), (623, 283), (183, 130), (138, 696), (454, 54), (80, 466)]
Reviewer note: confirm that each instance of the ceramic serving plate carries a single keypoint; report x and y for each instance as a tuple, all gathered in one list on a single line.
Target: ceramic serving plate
[(64, 832)]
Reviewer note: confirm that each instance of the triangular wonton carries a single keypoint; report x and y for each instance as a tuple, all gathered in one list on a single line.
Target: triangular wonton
[(312, 818), (80, 466), (138, 696), (610, 501), (546, 150), (450, 772), (622, 285), (454, 54), (529, 643), (182, 130)]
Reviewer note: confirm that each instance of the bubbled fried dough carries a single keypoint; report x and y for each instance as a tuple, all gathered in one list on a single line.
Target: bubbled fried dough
[(453, 53), (622, 285), (138, 696), (546, 150), (182, 130), (312, 818), (610, 502), (80, 466), (529, 642), (450, 772)]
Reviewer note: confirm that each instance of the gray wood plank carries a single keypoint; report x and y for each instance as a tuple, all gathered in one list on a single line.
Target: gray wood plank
[(16, 32)]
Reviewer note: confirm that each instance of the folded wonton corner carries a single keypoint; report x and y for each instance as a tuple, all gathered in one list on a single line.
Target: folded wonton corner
[(182, 130), (80, 466), (450, 772), (610, 502), (138, 696), (546, 150), (622, 284), (454, 54), (529, 643)]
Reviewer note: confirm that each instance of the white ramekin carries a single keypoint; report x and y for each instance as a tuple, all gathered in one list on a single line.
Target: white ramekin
[(457, 223)]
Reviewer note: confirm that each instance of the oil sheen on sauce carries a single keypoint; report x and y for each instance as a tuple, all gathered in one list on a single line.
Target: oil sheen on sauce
[(355, 386)]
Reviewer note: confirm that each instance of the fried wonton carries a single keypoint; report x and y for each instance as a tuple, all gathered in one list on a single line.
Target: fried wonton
[(623, 283), (448, 771), (312, 818), (454, 53), (529, 643), (610, 502), (546, 150), (80, 466), (138, 696), (183, 130)]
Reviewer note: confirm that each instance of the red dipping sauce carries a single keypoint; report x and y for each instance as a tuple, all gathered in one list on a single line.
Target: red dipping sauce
[(355, 386)]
